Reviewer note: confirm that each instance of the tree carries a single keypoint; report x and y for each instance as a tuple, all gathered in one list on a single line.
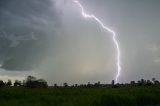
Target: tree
[(156, 82), (31, 78), (149, 82), (9, 83), (153, 79), (55, 85), (33, 82), (139, 83), (98, 84), (113, 82), (30, 81), (65, 84), (42, 83), (132, 83), (2, 84), (17, 83), (143, 81)]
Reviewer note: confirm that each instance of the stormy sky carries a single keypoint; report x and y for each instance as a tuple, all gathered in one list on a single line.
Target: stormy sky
[(50, 39)]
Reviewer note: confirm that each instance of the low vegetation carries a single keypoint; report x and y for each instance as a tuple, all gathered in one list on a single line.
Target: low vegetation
[(140, 93)]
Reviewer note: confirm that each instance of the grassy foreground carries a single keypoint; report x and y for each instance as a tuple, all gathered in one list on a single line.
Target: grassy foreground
[(122, 96)]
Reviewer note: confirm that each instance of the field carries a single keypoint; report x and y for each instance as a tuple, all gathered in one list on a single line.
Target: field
[(103, 96)]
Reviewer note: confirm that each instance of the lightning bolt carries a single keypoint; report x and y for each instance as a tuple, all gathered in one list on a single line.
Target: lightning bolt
[(92, 16)]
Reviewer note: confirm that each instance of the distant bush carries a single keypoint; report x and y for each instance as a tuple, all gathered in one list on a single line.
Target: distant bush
[(9, 83), (17, 83), (32, 82), (2, 84)]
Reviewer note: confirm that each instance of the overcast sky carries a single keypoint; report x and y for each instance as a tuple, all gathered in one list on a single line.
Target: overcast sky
[(50, 39)]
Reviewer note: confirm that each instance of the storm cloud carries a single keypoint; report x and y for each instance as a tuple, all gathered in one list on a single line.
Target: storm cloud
[(25, 29), (50, 39)]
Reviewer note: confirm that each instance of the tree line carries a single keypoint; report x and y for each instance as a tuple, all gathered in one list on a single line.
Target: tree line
[(33, 82), (30, 81)]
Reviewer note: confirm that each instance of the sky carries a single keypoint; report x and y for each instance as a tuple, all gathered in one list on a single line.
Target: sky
[(50, 39)]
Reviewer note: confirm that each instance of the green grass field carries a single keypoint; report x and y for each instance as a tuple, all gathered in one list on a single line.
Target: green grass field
[(122, 96)]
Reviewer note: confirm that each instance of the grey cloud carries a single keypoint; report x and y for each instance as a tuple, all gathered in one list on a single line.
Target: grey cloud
[(69, 48), (26, 27)]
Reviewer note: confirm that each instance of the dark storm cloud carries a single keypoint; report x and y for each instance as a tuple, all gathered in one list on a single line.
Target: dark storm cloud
[(25, 29), (60, 45)]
